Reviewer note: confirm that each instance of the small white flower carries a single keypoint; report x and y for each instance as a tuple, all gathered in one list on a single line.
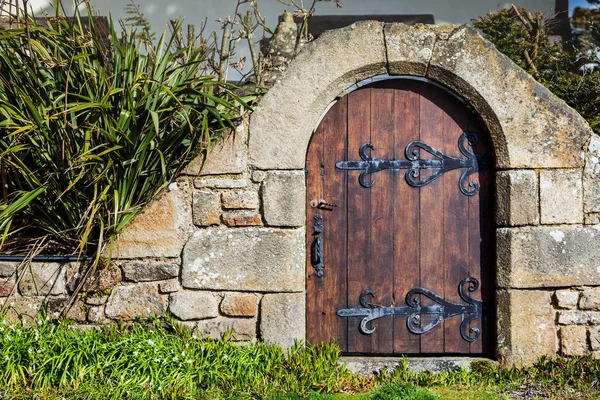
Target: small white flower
[(6, 358), (103, 347), (225, 357), (157, 360), (150, 342), (189, 361), (135, 353), (29, 350)]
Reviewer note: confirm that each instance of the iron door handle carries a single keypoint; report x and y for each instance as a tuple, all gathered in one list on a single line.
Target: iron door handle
[(317, 246), (322, 204)]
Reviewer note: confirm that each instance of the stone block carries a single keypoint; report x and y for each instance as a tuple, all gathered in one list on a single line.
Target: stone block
[(509, 102), (7, 287), (144, 271), (42, 279), (56, 306), (561, 197), (104, 278), (240, 199), (591, 219), (242, 218), (566, 298), (242, 329), (591, 177), (526, 325), (21, 309), (187, 305), (283, 198), (594, 332), (323, 70), (228, 155), (259, 176), (590, 299), (573, 340), (517, 200), (96, 315), (239, 305), (160, 230), (220, 183), (206, 208), (169, 286), (282, 318), (95, 300), (577, 317), (543, 256), (132, 301), (245, 259), (409, 48), (8, 269)]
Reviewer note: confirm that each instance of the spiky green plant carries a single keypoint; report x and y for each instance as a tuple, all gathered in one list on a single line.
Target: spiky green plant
[(91, 127)]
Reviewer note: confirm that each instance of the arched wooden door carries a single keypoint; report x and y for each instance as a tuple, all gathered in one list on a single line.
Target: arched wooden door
[(400, 230)]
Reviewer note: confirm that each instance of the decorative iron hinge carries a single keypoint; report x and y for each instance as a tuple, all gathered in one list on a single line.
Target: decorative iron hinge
[(440, 311), (441, 163)]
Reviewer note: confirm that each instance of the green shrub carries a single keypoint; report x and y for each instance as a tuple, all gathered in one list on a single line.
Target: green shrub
[(401, 392), (524, 38), (91, 129)]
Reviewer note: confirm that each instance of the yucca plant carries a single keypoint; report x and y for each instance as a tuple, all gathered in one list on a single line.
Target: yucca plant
[(92, 127)]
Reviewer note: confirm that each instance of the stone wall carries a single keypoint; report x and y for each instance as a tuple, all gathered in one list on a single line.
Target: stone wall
[(223, 247)]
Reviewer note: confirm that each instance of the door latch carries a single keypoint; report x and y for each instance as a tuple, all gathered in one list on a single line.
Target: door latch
[(322, 204)]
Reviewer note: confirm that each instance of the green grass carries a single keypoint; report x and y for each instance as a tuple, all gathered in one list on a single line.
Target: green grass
[(156, 360)]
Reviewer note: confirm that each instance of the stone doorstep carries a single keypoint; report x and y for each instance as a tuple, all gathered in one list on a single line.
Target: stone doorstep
[(368, 366)]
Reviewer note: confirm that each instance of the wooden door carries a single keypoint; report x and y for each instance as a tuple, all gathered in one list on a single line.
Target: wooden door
[(379, 231)]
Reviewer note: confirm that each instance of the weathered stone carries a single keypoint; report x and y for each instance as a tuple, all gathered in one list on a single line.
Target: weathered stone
[(206, 208), (41, 279), (132, 301), (169, 286), (24, 309), (590, 299), (188, 304), (595, 337), (242, 218), (562, 256), (591, 219), (282, 318), (239, 305), (283, 197), (220, 183), (240, 199), (246, 259), (96, 315), (323, 70), (409, 48), (566, 298), (102, 279), (149, 271), (7, 287), (8, 269), (517, 200), (228, 155), (573, 340), (579, 317), (56, 306), (95, 300), (561, 197), (530, 127), (259, 176), (242, 329), (161, 230), (591, 177), (525, 325)]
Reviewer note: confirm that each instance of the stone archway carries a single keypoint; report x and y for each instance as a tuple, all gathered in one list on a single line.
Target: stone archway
[(540, 145)]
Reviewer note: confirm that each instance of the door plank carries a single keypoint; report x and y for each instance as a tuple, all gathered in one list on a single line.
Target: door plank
[(359, 215), (379, 271), (334, 222), (456, 222), (431, 219), (406, 213)]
